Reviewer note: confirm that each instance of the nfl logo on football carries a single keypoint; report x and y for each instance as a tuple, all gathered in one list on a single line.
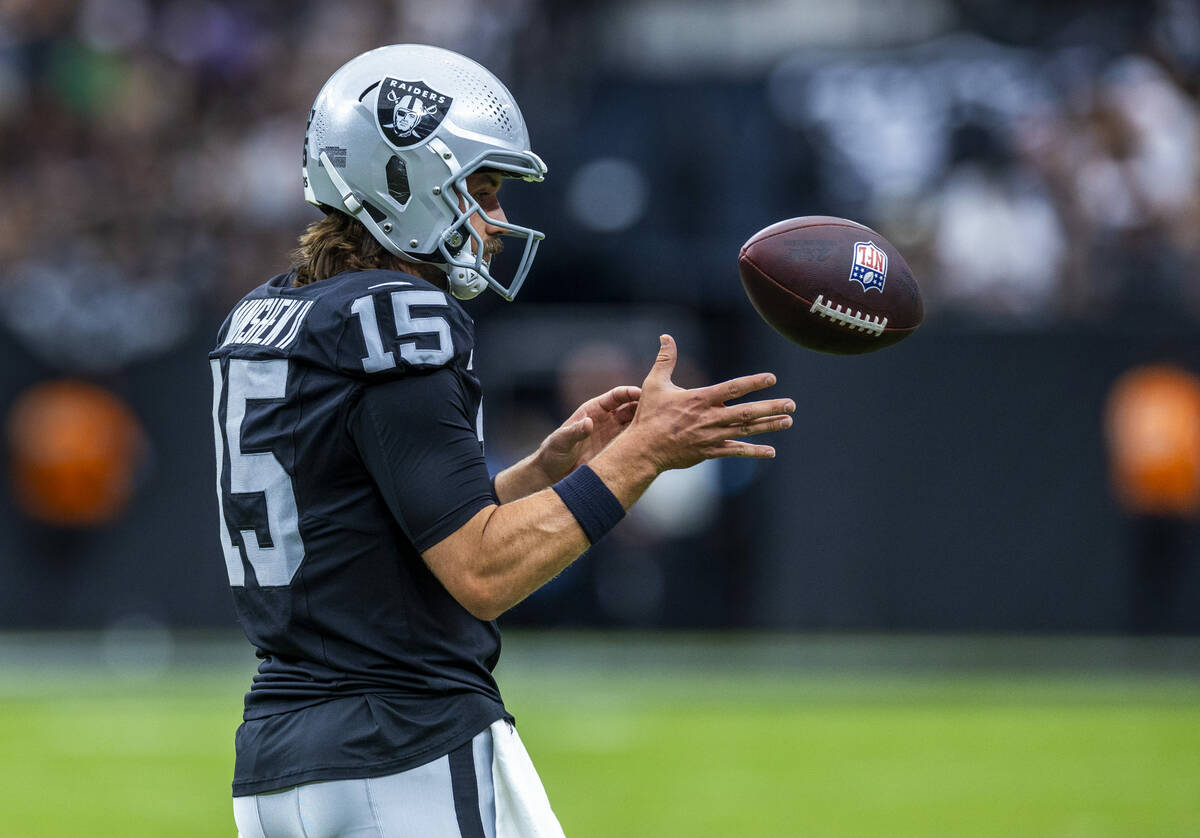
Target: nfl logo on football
[(870, 266)]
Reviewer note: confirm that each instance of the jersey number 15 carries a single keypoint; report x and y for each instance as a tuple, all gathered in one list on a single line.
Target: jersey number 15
[(261, 472)]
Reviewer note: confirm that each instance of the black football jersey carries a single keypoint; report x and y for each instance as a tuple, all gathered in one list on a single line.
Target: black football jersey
[(349, 439)]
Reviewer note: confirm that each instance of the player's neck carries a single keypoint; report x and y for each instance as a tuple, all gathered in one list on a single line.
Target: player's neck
[(429, 273)]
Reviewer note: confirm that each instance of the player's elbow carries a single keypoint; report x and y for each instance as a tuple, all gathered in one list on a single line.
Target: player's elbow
[(487, 613), (481, 597)]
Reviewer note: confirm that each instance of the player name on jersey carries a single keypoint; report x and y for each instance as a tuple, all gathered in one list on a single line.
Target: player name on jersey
[(267, 322)]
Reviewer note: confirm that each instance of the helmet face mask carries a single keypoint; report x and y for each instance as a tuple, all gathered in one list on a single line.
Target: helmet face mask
[(392, 138), (463, 248)]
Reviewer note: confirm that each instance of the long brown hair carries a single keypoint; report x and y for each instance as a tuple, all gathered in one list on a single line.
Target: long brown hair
[(338, 243)]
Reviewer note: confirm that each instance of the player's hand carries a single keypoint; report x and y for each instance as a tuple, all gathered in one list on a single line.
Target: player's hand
[(679, 428), (587, 432)]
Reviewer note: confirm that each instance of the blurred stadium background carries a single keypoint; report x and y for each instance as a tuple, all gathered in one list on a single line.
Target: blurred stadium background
[(964, 600)]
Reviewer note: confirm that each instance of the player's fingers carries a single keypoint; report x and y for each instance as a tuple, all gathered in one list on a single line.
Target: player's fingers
[(618, 396), (735, 388), (664, 364), (765, 425), (571, 435), (742, 414), (625, 413), (734, 448)]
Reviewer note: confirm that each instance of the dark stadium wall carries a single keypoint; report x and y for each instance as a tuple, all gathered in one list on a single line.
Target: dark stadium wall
[(159, 563), (954, 482)]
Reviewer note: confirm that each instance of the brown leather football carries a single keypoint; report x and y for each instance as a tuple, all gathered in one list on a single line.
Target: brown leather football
[(830, 284)]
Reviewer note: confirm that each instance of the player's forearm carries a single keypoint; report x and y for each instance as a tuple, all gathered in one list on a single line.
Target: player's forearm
[(530, 541), (507, 552), (521, 546), (521, 479)]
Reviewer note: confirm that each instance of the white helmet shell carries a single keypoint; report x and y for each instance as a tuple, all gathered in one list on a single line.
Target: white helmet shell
[(391, 139)]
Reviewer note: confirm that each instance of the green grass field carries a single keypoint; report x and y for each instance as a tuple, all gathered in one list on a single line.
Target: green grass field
[(681, 737)]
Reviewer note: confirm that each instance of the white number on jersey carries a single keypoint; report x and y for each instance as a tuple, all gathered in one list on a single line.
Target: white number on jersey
[(274, 566), (407, 326)]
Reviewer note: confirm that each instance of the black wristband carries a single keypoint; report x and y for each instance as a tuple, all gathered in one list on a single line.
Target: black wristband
[(594, 506)]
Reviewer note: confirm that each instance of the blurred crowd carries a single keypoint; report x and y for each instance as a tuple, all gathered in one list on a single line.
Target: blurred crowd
[(1025, 183), (150, 154)]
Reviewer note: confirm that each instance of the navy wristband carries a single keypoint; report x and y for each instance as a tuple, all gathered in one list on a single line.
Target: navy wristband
[(592, 503)]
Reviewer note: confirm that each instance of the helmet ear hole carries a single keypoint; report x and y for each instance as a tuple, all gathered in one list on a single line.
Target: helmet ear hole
[(397, 181)]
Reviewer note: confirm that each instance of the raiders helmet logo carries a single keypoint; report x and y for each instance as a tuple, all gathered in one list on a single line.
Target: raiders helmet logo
[(409, 111)]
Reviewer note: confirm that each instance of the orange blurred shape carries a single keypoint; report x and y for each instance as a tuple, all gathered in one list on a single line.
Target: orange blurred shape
[(75, 448), (1153, 427)]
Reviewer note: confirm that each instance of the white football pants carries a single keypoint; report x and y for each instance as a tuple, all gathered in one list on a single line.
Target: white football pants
[(488, 788)]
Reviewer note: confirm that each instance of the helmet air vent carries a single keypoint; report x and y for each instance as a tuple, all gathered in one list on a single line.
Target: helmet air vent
[(480, 96), (376, 214)]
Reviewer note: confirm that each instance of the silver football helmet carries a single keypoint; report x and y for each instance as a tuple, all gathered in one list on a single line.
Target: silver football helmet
[(391, 139)]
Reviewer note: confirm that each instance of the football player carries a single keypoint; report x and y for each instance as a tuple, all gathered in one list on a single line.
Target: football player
[(368, 550)]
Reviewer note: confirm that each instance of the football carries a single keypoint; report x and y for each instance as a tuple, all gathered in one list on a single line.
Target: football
[(830, 284)]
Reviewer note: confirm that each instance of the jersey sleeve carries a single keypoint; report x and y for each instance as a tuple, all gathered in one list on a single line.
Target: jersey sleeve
[(381, 325), (417, 437)]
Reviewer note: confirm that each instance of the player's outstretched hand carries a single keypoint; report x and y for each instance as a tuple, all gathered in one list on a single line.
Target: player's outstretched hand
[(679, 428), (587, 431)]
